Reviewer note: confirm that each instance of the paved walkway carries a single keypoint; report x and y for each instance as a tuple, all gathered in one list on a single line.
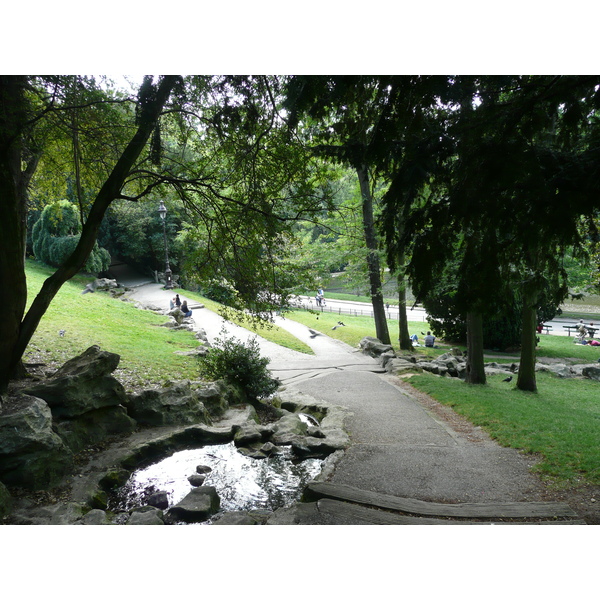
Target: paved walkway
[(399, 446)]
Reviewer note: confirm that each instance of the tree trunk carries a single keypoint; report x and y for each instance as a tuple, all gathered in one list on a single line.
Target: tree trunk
[(14, 333), (381, 328), (13, 285), (475, 361), (526, 380), (404, 334)]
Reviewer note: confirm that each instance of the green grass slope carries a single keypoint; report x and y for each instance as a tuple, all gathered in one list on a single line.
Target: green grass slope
[(146, 348)]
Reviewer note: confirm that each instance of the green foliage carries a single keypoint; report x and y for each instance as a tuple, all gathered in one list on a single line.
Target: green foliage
[(56, 234), (134, 233), (239, 364)]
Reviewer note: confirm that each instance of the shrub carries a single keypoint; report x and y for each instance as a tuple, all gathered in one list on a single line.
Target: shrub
[(239, 364), (56, 233)]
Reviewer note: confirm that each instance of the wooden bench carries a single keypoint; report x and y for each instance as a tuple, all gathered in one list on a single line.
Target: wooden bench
[(546, 328), (591, 330)]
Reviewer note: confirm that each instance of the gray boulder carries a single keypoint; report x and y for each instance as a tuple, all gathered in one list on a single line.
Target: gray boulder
[(247, 433), (216, 396), (288, 429), (197, 506), (560, 370), (146, 515), (69, 513), (373, 347), (174, 405), (397, 366), (196, 480), (94, 427), (158, 500), (82, 384), (100, 284), (592, 372), (95, 517), (32, 455), (177, 315), (239, 517)]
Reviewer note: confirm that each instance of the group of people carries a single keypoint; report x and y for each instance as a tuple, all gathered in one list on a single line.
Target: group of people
[(429, 339), (183, 306), (582, 331)]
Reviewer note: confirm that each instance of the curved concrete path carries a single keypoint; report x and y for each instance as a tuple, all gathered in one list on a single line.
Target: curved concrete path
[(399, 445)]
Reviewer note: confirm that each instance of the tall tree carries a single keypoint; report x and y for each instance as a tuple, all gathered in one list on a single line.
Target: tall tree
[(345, 109), (508, 173), (247, 181), (24, 105)]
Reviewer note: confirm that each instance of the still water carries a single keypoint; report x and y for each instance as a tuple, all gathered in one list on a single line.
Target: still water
[(242, 483)]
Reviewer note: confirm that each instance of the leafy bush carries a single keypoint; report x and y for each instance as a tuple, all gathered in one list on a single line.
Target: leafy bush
[(56, 234), (239, 364)]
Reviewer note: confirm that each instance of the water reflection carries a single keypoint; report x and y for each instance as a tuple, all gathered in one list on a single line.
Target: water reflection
[(242, 483)]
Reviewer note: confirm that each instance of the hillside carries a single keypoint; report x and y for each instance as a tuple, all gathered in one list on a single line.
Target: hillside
[(146, 348)]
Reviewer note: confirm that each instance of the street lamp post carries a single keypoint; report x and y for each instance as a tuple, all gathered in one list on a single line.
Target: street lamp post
[(162, 211)]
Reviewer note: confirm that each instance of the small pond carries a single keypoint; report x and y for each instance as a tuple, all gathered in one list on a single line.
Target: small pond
[(242, 483)]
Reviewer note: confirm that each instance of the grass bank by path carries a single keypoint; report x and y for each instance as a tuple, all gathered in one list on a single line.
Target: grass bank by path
[(264, 329), (355, 329), (560, 423), (146, 348)]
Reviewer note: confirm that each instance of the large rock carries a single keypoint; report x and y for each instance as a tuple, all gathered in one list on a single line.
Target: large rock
[(182, 403), (146, 515), (373, 347), (82, 384), (32, 455), (592, 372), (178, 404), (69, 513), (197, 506), (397, 366), (288, 429), (559, 369), (94, 427)]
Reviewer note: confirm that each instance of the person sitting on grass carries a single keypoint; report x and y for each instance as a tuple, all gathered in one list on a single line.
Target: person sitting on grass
[(185, 310), (429, 340), (581, 332)]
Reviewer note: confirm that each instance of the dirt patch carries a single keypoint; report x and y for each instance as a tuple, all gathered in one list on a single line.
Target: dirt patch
[(457, 422)]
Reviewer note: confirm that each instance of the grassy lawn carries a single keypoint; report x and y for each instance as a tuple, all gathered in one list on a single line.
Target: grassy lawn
[(264, 329), (561, 422), (559, 346), (146, 349), (356, 328)]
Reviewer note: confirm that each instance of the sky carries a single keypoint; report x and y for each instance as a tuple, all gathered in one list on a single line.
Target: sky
[(312, 37)]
